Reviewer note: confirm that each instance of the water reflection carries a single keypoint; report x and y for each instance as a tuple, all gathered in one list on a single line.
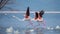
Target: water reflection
[(39, 31)]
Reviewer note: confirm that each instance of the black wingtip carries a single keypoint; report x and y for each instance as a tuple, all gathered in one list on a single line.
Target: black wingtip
[(41, 13), (36, 14), (27, 12)]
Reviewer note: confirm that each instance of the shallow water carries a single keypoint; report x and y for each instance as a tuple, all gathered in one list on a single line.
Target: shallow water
[(13, 23)]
